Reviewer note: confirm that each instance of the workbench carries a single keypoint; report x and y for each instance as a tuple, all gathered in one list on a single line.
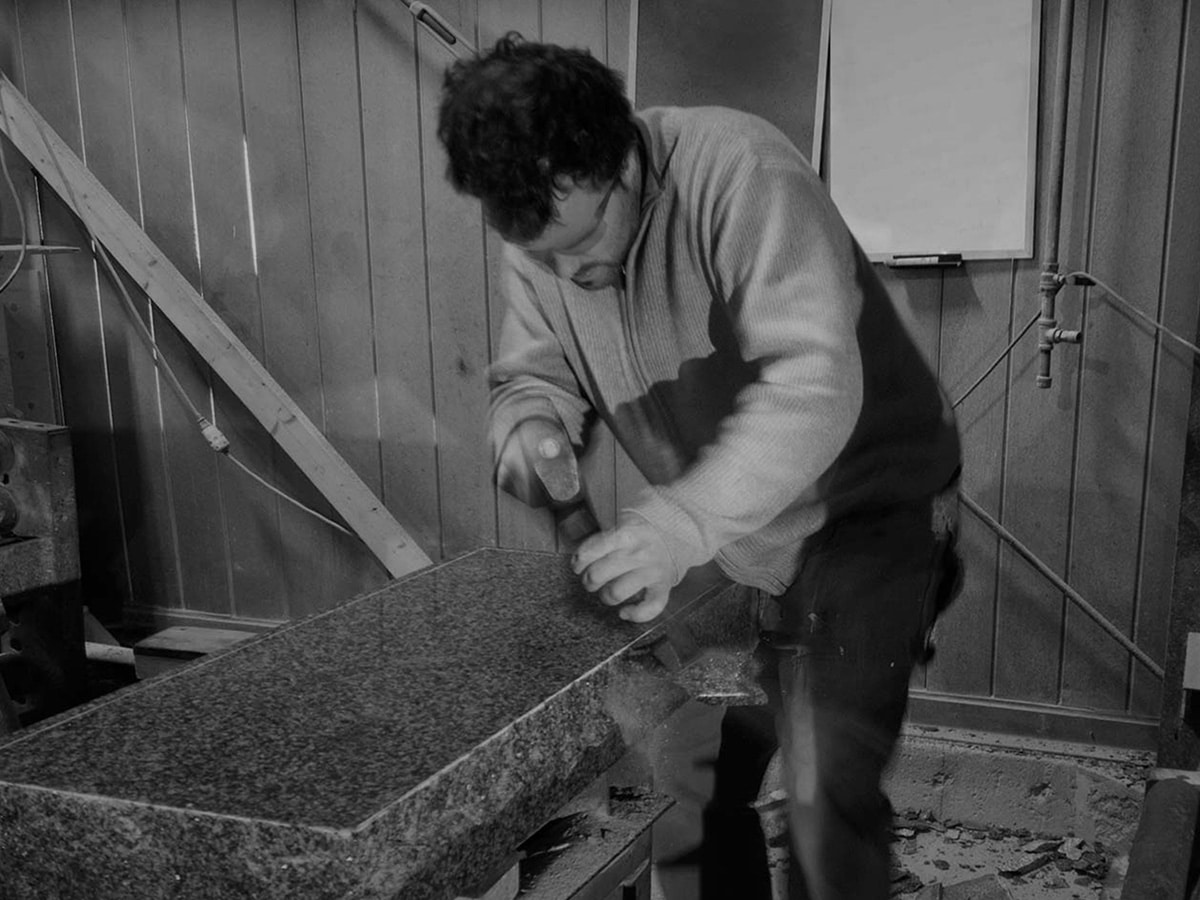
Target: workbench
[(401, 745)]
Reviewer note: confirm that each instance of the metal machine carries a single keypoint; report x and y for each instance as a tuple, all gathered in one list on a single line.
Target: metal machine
[(42, 660)]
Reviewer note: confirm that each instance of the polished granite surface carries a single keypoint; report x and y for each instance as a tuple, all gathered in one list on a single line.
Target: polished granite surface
[(398, 746)]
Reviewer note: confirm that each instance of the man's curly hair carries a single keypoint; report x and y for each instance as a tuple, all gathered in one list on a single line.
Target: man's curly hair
[(522, 118)]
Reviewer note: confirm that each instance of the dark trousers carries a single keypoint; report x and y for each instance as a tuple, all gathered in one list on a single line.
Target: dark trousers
[(837, 656)]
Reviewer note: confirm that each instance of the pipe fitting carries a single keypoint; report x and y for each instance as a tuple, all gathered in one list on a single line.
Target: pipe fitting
[(1066, 336)]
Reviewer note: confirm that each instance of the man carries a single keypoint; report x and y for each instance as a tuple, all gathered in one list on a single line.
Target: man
[(683, 275)]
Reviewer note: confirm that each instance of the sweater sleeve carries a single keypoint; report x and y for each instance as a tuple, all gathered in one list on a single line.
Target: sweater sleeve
[(786, 266), (530, 376)]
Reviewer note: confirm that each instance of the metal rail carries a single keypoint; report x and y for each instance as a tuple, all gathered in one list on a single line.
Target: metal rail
[(1073, 595), (441, 30)]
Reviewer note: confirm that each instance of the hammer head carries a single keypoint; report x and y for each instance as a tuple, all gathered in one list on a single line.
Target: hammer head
[(557, 469)]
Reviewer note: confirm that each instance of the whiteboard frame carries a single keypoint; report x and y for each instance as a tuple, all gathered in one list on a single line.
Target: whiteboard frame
[(1026, 248)]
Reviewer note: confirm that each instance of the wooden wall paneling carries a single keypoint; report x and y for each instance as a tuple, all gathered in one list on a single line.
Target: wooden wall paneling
[(161, 140), (108, 140), (918, 297), (8, 260), (618, 16), (976, 319), (604, 463), (229, 285), (49, 83), (10, 41), (18, 294), (31, 374), (30, 367), (1040, 423), (760, 56), (270, 67), (627, 480), (461, 14), (498, 17), (576, 23), (458, 331), (584, 24), (333, 142), (1172, 381), (1131, 182), (395, 232), (518, 526), (1078, 211)]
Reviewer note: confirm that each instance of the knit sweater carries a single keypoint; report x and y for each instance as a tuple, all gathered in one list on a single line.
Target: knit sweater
[(753, 366)]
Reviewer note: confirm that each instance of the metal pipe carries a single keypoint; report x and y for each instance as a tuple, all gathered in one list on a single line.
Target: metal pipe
[(1073, 595), (1050, 281)]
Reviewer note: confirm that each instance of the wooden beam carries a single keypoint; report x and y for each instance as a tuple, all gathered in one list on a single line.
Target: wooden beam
[(229, 358)]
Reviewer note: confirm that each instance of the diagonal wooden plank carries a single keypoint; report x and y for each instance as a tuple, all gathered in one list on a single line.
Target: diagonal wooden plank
[(204, 329)]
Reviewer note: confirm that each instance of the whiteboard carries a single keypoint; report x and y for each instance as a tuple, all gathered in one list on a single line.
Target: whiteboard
[(932, 125)]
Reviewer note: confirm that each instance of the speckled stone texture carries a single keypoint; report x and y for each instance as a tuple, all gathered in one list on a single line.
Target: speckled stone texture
[(399, 746)]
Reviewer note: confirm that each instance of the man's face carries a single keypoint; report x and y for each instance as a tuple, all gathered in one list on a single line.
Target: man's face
[(588, 241)]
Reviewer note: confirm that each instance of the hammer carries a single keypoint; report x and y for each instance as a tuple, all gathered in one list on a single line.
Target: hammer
[(558, 471)]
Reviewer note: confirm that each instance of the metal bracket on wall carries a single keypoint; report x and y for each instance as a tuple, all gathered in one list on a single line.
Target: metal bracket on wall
[(208, 334)]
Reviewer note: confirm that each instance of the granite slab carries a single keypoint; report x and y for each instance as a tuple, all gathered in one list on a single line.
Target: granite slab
[(400, 745)]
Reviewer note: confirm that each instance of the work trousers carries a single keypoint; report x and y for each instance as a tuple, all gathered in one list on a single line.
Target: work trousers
[(837, 651)]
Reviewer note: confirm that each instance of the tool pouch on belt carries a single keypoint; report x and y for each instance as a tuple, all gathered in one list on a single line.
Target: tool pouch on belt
[(946, 572)]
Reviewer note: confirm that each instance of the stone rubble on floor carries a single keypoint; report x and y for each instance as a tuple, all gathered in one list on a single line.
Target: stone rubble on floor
[(949, 861)]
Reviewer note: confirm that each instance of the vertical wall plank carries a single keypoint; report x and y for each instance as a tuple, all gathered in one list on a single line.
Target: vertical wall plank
[(583, 24), (395, 221), (498, 17), (458, 331), (9, 221), (269, 61), (1175, 364), (760, 56), (333, 142), (29, 368), (919, 300), (518, 526), (1040, 422), (229, 285), (30, 377), (132, 389), (617, 14), (160, 132), (576, 23), (627, 480), (977, 309), (1127, 247), (50, 85)]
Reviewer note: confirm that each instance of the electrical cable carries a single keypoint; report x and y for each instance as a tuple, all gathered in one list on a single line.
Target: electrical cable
[(999, 359), (292, 500), (212, 434), (1086, 279), (20, 217)]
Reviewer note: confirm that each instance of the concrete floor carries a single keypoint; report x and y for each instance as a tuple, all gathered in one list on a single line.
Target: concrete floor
[(990, 817), (948, 861)]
